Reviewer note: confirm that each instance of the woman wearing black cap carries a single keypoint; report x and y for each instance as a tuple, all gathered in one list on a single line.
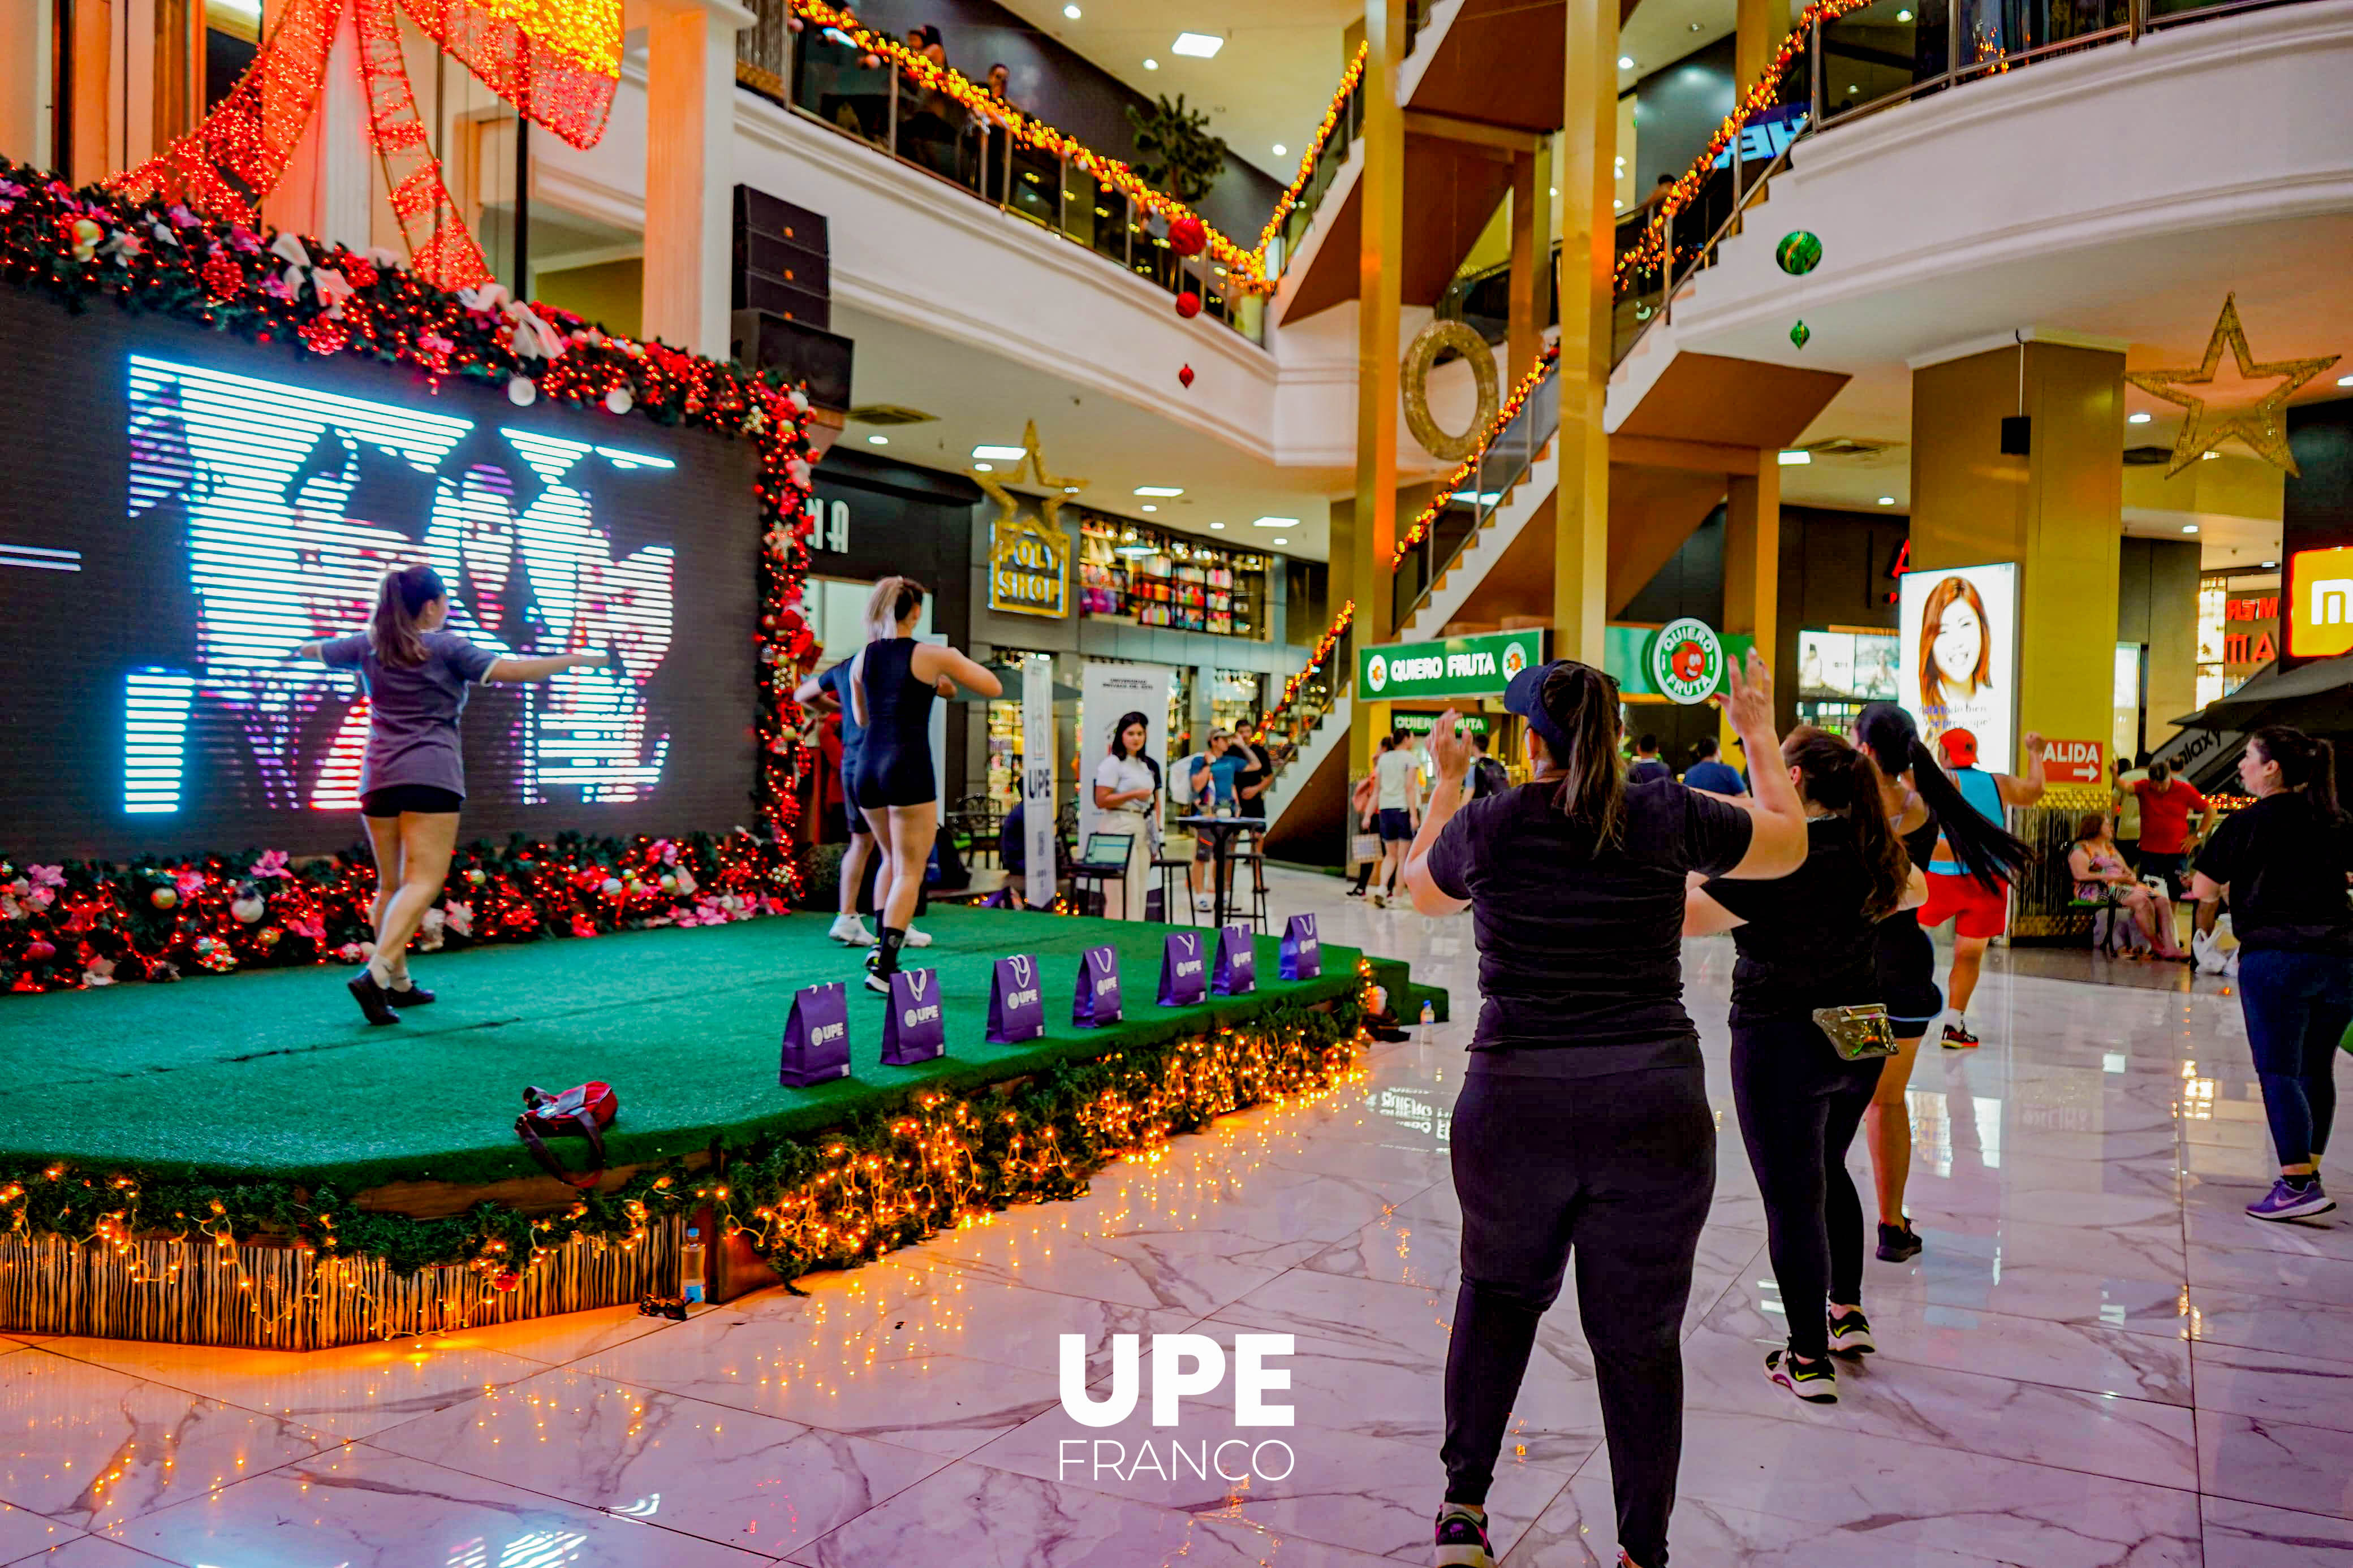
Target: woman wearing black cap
[(1583, 1128)]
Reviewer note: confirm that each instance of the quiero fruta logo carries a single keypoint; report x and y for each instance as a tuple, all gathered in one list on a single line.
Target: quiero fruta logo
[(1377, 672), (1686, 660), (1515, 659)]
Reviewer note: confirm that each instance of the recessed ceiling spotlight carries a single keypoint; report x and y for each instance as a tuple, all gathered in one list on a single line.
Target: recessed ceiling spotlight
[(1198, 45), (2138, 418), (878, 440), (1001, 453), (1625, 62), (2344, 381), (1151, 65), (1282, 541), (1274, 522), (1695, 26), (1217, 525), (1160, 489), (2268, 566), (1902, 15), (1281, 151), (1148, 507), (2188, 528), (983, 468), (1887, 500), (1072, 12), (1793, 457)]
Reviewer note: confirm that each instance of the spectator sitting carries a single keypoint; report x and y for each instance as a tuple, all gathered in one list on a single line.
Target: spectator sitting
[(1710, 772)]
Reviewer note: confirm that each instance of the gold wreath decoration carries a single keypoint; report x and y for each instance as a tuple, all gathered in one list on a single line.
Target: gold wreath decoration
[(1420, 358)]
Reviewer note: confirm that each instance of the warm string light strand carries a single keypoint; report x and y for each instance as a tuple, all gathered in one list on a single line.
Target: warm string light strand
[(1294, 725), (1466, 470), (1316, 144), (303, 297)]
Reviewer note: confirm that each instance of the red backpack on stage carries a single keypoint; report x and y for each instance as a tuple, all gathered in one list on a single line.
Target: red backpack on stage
[(584, 1112)]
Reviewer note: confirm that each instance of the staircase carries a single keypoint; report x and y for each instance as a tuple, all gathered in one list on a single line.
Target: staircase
[(1325, 746)]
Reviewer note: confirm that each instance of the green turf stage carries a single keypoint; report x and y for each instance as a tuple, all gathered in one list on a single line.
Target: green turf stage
[(274, 1074)]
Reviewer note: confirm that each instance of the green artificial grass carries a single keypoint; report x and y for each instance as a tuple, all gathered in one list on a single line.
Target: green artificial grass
[(273, 1075)]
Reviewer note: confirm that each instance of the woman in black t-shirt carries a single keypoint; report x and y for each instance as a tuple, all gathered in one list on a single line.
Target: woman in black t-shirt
[(1808, 940), (1583, 1128), (2285, 861)]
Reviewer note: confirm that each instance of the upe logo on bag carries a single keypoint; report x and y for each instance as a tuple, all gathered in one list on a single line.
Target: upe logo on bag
[(1183, 1366), (924, 1012)]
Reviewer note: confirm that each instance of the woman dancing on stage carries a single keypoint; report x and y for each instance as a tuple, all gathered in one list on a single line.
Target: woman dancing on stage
[(413, 775), (892, 683), (1583, 1130)]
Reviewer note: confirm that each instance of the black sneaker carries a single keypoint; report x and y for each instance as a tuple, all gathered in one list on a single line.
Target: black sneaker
[(1850, 1334), (1815, 1382), (410, 996), (374, 1000), (1959, 1038), (1461, 1540), (1898, 1242)]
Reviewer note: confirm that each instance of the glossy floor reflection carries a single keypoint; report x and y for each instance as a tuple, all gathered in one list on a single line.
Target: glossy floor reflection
[(2096, 1362)]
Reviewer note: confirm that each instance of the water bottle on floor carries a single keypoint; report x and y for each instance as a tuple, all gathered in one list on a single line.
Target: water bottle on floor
[(690, 1273), (1429, 1018)]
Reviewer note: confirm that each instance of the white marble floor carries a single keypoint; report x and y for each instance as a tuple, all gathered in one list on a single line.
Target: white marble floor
[(2096, 1363)]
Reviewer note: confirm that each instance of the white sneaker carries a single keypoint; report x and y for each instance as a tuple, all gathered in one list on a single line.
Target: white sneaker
[(851, 932), (918, 938), (1201, 904)]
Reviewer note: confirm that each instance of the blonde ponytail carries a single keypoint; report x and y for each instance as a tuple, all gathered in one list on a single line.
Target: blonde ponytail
[(892, 601)]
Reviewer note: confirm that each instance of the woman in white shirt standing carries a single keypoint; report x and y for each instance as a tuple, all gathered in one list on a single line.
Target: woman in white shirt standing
[(1127, 791)]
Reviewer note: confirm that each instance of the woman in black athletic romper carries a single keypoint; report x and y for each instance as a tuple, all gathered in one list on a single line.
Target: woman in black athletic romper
[(892, 684)]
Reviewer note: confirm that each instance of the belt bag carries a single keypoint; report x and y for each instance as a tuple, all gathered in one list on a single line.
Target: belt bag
[(1857, 1034), (583, 1111)]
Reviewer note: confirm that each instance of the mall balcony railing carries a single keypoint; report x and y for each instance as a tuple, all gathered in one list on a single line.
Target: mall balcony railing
[(825, 80), (1498, 469), (1348, 124)]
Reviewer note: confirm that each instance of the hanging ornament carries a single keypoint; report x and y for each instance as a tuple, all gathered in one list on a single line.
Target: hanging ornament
[(247, 907), (1798, 252), (164, 897), (1188, 304), (1185, 376), (2261, 425), (268, 936), (618, 401), (39, 951), (522, 390), (1800, 333), (1188, 235)]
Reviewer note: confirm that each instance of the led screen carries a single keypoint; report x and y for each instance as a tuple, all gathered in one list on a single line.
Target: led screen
[(229, 504)]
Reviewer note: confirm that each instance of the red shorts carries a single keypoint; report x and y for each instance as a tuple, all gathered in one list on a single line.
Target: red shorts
[(1966, 901)]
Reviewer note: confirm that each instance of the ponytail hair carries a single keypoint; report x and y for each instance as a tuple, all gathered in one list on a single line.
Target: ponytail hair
[(1582, 704), (1842, 777), (892, 601), (401, 596), (2307, 762), (1986, 850)]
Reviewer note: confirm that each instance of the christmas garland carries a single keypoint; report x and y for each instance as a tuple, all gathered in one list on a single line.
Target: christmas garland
[(1280, 715), (829, 1201), (303, 297)]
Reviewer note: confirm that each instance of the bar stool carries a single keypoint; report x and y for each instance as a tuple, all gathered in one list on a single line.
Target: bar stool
[(1175, 891), (1254, 860)]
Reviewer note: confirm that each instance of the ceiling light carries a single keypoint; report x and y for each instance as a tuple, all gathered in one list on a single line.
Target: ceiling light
[(1695, 26), (1887, 500), (1556, 191), (2138, 418), (1151, 65), (1198, 45), (1625, 62), (1852, 88), (1281, 151), (1282, 541), (2188, 528), (1217, 525), (1070, 490), (1274, 522), (1072, 12), (983, 468), (2344, 381), (1001, 453), (2207, 456), (1150, 508), (1160, 489), (878, 440), (1616, 206), (1902, 15), (1793, 458), (2268, 566)]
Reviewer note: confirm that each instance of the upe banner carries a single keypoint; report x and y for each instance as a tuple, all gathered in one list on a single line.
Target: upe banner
[(1236, 971), (816, 1036), (1302, 954), (914, 1031), (1184, 977), (1095, 1003), (1017, 1002)]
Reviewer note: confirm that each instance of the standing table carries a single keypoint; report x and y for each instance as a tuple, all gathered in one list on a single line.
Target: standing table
[(1221, 832)]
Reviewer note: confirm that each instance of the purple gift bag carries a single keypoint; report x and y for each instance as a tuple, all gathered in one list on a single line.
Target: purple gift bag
[(816, 1036), (1302, 954), (1017, 1002), (1236, 974), (1095, 1003), (912, 1030), (1183, 972)]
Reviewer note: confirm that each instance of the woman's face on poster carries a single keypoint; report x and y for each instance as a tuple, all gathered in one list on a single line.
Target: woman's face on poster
[(1132, 740), (1960, 640)]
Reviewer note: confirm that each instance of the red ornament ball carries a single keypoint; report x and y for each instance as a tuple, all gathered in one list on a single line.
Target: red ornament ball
[(39, 951), (1185, 376), (164, 897), (1188, 304), (1188, 235), (506, 1279)]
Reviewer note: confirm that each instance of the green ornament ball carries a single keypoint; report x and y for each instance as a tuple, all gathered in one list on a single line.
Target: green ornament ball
[(1800, 333), (1798, 252)]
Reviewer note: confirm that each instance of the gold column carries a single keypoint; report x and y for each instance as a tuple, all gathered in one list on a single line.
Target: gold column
[(1759, 27), (1752, 566), (1380, 277), (2058, 511), (1587, 178), (1525, 337)]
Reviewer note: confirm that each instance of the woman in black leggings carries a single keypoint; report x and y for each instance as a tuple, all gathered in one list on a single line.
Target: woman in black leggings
[(1583, 1128), (1808, 940)]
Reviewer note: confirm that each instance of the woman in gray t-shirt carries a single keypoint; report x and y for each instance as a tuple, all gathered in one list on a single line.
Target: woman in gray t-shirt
[(413, 776)]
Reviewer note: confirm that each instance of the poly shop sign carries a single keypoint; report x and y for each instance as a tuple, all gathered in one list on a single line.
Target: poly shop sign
[(1454, 666), (2075, 762), (1028, 568)]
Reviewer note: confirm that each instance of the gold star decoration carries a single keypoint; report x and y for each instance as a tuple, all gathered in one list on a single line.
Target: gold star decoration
[(2260, 425), (1050, 506)]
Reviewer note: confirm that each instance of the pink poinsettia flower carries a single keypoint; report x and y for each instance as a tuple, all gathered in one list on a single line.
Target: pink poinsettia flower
[(461, 917), (189, 881), (46, 876), (310, 926), (273, 863)]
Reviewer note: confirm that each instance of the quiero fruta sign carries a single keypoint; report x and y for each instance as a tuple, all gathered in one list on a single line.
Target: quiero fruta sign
[(1451, 666)]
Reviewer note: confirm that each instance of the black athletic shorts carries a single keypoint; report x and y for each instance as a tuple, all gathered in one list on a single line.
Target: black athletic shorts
[(394, 799)]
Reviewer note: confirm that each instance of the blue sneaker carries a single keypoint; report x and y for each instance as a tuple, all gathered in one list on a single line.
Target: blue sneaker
[(2287, 1200), (1461, 1539)]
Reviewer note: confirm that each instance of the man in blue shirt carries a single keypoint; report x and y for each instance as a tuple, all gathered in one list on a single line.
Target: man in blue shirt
[(1708, 772), (1648, 767), (1212, 773)]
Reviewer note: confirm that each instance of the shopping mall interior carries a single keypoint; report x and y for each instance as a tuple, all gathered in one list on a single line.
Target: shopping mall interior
[(1282, 379)]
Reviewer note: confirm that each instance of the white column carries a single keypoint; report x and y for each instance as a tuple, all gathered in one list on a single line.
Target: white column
[(689, 169)]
